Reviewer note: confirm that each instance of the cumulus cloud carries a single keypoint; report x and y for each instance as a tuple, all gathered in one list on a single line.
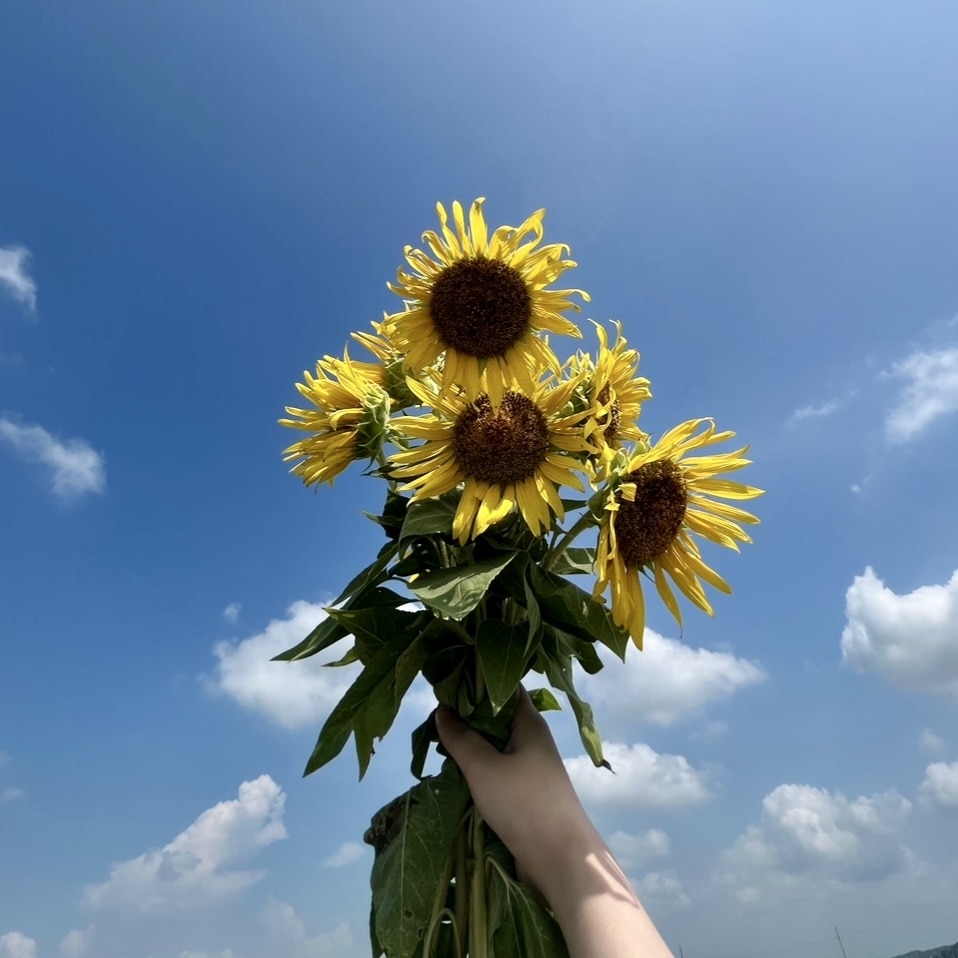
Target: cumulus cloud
[(232, 612), (662, 888), (291, 694), (807, 831), (288, 933), (14, 277), (346, 854), (642, 779), (76, 468), (635, 851), (198, 866), (76, 943), (929, 391), (940, 785), (668, 681), (15, 944), (911, 640)]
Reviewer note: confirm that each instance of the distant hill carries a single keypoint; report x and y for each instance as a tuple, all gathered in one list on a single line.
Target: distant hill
[(945, 951)]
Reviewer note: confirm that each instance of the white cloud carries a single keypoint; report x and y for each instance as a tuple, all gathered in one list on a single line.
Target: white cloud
[(76, 943), (807, 831), (941, 784), (642, 779), (9, 795), (662, 888), (814, 412), (346, 854), (634, 851), (232, 612), (15, 944), (931, 742), (911, 640), (292, 694), (289, 936), (930, 391), (667, 681), (198, 865), (13, 276), (77, 468)]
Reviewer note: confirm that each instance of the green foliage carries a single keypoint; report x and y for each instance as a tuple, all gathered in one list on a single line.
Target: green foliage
[(413, 836), (456, 591), (502, 658)]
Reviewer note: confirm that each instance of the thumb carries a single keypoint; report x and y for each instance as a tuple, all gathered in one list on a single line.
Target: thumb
[(467, 747)]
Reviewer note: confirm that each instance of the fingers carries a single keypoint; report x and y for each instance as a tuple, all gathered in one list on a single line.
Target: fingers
[(466, 746)]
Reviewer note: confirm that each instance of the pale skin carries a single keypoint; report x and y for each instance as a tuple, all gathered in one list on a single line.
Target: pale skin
[(525, 795)]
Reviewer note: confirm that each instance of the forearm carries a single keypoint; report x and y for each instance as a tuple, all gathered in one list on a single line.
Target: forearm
[(596, 907)]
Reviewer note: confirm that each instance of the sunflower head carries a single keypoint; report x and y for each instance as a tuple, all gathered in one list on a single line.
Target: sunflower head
[(513, 456), (616, 394), (480, 303), (346, 420), (658, 508)]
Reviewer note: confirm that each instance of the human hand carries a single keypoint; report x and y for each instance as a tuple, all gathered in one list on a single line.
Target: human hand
[(523, 792), (527, 798)]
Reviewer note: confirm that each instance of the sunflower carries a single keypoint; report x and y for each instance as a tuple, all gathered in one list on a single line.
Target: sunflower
[(480, 301), (347, 420), (615, 393), (513, 456), (655, 506)]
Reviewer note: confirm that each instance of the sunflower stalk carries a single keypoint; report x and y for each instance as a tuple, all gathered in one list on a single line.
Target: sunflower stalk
[(476, 425)]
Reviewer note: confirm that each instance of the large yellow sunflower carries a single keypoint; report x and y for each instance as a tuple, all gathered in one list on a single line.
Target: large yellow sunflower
[(515, 456), (347, 419), (480, 301), (659, 500), (615, 393)]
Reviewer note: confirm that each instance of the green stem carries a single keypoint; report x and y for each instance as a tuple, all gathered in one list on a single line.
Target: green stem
[(462, 887), (478, 924), (582, 523)]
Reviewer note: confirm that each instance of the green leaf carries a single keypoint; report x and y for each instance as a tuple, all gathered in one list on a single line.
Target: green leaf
[(521, 925), (558, 668), (373, 574), (348, 659), (502, 658), (330, 631), (573, 610), (394, 513), (575, 561), (422, 737), (429, 516), (379, 687), (380, 707), (377, 625), (413, 838), (544, 701), (457, 591)]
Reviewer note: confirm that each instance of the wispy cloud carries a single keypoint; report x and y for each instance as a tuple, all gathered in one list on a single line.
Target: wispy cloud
[(77, 469), (9, 795), (346, 854), (14, 277), (929, 391), (812, 411)]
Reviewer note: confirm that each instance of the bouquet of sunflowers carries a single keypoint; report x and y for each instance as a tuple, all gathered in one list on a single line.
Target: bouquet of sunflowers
[(497, 458)]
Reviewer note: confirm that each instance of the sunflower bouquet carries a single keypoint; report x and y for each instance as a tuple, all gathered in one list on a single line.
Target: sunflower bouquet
[(498, 458)]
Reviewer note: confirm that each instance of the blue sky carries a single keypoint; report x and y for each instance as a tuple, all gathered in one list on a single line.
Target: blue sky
[(198, 198)]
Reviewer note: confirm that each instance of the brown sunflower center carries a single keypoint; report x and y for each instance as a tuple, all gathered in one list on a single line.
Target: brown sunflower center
[(609, 422), (502, 447), (480, 307), (646, 527)]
